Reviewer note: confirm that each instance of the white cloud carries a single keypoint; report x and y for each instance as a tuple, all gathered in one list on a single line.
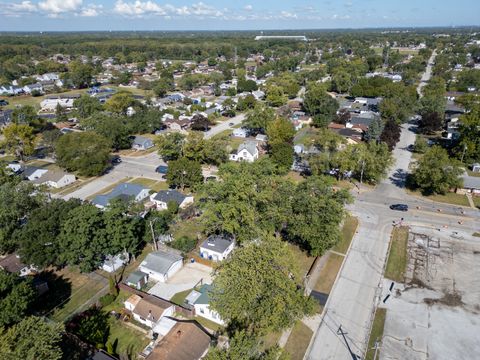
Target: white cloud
[(141, 8), (24, 6), (91, 10), (56, 7), (138, 8), (248, 7), (288, 15)]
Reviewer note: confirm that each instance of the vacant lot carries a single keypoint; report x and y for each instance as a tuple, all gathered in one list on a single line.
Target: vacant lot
[(397, 259), (69, 292), (436, 313)]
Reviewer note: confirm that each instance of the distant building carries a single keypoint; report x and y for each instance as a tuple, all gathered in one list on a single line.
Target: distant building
[(148, 310), (162, 198), (247, 151), (142, 143), (281, 37), (200, 300)]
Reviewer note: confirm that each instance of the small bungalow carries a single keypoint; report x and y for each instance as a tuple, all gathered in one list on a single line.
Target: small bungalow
[(124, 191), (161, 265), (240, 132), (142, 143), (113, 263), (148, 310), (200, 301), (33, 173), (13, 264), (33, 87), (185, 341), (55, 178), (162, 198), (137, 279), (216, 248)]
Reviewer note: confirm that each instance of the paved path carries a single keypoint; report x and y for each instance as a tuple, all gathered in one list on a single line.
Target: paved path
[(427, 74), (217, 129)]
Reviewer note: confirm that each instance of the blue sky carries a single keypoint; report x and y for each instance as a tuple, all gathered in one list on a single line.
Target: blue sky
[(83, 15)]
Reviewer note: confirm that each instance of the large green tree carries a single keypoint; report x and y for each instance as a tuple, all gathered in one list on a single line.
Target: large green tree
[(86, 106), (32, 339), (258, 287), (114, 128), (184, 173), (86, 153), (258, 118), (317, 210), (436, 173), (16, 296), (170, 146), (19, 140), (320, 105)]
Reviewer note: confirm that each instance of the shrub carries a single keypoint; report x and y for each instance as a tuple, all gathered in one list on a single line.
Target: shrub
[(184, 244), (106, 300)]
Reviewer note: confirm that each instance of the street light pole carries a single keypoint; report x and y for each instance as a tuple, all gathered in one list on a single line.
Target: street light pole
[(343, 333)]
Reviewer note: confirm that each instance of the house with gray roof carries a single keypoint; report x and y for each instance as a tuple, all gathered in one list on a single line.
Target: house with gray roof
[(471, 184), (216, 247), (163, 197), (161, 265), (247, 151), (124, 191), (142, 143), (55, 178), (32, 172)]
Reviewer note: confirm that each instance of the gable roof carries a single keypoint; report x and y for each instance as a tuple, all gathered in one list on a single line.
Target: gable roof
[(186, 341), (151, 308), (135, 277), (217, 243), (30, 170), (250, 146), (51, 175), (12, 263), (124, 191), (160, 261), (204, 297), (141, 140), (170, 195)]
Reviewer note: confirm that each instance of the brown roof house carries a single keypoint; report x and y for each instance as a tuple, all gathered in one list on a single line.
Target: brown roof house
[(12, 264), (185, 341), (148, 310)]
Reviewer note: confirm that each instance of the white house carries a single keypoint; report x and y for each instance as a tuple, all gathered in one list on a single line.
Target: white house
[(11, 90), (33, 173), (200, 300), (216, 248), (247, 151), (148, 310), (13, 264), (56, 179), (162, 198), (240, 132), (15, 167), (161, 265), (113, 263), (33, 87), (50, 103)]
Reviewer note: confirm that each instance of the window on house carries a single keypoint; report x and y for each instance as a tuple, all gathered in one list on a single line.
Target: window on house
[(202, 311)]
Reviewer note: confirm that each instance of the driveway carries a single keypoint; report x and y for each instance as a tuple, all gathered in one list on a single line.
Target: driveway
[(139, 166), (217, 129), (186, 278)]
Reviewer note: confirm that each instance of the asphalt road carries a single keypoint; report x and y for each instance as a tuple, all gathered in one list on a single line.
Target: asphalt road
[(224, 126), (352, 300), (427, 74), (142, 166)]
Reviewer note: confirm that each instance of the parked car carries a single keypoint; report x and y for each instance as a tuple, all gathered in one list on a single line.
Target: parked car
[(161, 169), (3, 102), (116, 160), (231, 124), (399, 207)]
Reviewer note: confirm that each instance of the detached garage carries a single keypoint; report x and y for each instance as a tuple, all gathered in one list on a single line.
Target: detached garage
[(161, 265)]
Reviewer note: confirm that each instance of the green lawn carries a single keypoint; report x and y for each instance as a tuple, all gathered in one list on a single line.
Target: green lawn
[(328, 274), (179, 298), (298, 341), (348, 231), (305, 136), (190, 228), (126, 339), (208, 324), (69, 291), (448, 198), (476, 201), (397, 259), (304, 260), (150, 183), (34, 101), (377, 332), (271, 339)]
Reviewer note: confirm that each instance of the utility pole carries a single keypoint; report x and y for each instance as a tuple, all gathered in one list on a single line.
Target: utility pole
[(361, 172), (155, 246), (464, 150), (343, 333)]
